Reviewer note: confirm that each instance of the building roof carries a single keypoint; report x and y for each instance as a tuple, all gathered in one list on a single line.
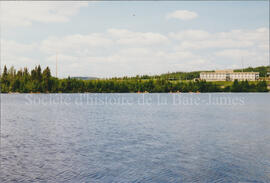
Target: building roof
[(228, 71), (224, 71)]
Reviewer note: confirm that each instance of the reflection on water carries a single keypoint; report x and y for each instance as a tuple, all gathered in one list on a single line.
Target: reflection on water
[(135, 138)]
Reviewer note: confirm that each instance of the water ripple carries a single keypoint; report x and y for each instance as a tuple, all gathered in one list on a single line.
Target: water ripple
[(136, 143)]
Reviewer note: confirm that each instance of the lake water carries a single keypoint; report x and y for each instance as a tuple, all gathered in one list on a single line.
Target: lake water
[(135, 138)]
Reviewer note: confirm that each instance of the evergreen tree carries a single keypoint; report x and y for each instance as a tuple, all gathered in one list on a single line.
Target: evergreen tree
[(39, 75), (262, 86), (236, 87), (47, 83), (4, 78)]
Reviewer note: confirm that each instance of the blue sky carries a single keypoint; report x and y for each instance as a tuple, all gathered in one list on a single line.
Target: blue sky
[(107, 39)]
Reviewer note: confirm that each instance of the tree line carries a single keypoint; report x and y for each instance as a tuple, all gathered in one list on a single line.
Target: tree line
[(41, 81), (263, 70)]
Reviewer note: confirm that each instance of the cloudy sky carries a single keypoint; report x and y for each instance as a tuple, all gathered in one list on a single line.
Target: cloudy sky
[(107, 39)]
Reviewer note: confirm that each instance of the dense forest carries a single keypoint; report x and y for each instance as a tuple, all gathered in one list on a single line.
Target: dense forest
[(38, 80)]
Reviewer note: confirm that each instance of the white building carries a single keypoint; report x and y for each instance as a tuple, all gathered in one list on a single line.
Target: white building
[(229, 75)]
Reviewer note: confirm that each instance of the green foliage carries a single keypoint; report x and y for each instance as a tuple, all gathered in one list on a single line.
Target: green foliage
[(37, 80), (244, 86)]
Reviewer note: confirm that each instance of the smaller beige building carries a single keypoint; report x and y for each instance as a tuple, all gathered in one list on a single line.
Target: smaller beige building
[(229, 75)]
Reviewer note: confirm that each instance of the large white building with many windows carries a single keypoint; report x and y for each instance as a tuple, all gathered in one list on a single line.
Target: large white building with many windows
[(229, 75)]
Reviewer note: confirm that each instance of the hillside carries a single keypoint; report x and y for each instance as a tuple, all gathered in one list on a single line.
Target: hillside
[(84, 78), (262, 70), (196, 74)]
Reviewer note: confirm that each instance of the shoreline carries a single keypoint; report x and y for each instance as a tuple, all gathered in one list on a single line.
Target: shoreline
[(18, 93)]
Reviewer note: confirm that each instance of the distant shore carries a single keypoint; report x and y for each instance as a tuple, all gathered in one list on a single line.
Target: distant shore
[(41, 81)]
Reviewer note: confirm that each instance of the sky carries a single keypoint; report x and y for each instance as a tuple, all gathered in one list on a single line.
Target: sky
[(121, 38)]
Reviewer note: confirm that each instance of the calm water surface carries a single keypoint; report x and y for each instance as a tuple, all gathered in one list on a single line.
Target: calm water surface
[(135, 138)]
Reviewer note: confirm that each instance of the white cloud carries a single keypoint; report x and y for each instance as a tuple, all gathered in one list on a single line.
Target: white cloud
[(25, 13), (200, 39), (190, 34), (100, 43), (182, 15), (20, 55), (15, 48), (80, 44), (126, 37), (215, 43), (238, 58), (119, 52), (135, 52), (176, 55), (235, 53)]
